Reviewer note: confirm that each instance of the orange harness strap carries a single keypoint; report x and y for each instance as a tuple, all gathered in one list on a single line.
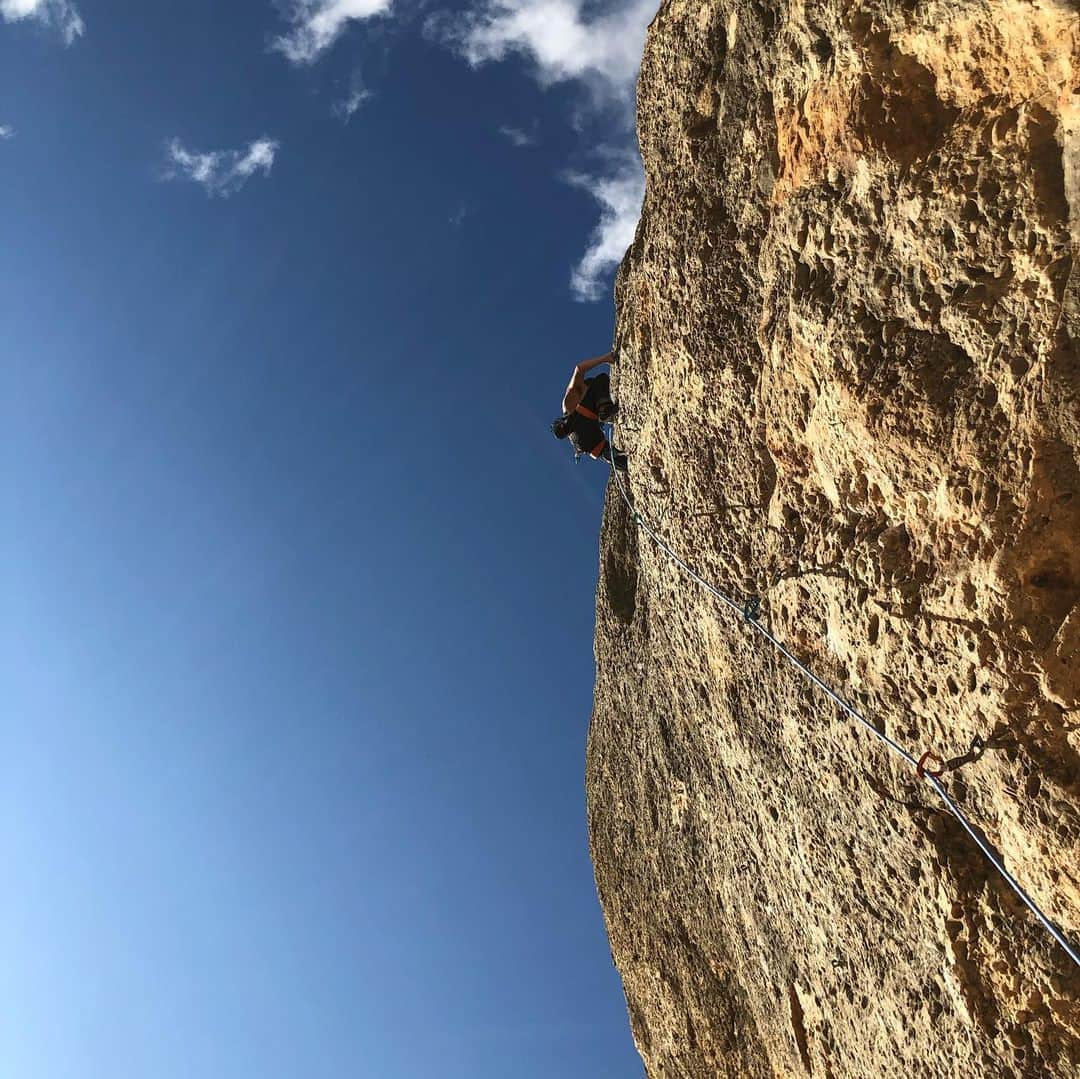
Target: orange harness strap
[(598, 448), (586, 412)]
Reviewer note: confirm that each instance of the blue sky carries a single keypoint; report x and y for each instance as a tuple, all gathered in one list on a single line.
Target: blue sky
[(296, 653)]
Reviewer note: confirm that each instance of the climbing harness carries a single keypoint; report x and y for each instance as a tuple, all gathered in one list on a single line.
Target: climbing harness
[(929, 767)]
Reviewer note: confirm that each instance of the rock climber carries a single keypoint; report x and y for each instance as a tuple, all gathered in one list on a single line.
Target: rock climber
[(586, 404)]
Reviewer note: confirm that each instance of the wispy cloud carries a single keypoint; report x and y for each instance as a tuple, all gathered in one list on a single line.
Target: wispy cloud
[(61, 14), (7, 131), (620, 193), (601, 53), (457, 218), (317, 24), (221, 172), (519, 137), (357, 96)]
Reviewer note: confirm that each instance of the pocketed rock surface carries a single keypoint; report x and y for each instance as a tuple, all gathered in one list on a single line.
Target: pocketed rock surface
[(849, 385)]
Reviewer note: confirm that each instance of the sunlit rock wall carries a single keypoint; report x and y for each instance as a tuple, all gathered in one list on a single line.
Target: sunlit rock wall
[(849, 385)]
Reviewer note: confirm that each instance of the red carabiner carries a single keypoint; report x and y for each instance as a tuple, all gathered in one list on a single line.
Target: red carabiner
[(923, 769)]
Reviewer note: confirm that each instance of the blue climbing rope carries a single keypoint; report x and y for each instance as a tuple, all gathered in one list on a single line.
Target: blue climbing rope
[(750, 612)]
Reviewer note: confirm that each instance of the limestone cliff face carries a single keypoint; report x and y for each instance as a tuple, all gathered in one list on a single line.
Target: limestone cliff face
[(850, 385)]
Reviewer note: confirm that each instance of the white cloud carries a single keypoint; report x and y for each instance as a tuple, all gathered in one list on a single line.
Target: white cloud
[(59, 13), (619, 194), (518, 137), (317, 24), (358, 95), (7, 131), (603, 52), (221, 172)]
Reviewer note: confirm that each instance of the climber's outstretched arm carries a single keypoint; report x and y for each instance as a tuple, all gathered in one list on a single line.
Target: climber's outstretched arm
[(588, 365)]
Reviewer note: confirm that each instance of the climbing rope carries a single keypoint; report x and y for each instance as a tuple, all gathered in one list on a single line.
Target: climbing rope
[(749, 612)]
